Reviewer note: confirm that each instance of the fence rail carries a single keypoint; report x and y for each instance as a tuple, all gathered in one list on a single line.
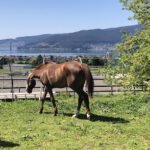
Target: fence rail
[(18, 89)]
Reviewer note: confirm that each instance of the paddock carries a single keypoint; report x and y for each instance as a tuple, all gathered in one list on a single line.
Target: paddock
[(118, 122), (115, 123)]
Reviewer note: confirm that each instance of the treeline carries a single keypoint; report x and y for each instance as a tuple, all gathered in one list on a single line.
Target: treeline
[(36, 60), (94, 61)]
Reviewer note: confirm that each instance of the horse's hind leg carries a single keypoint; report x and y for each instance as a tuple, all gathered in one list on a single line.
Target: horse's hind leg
[(53, 102), (83, 96), (86, 101), (42, 101), (80, 99)]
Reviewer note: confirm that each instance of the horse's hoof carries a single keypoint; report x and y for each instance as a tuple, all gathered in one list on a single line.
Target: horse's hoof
[(54, 114), (74, 116), (88, 116)]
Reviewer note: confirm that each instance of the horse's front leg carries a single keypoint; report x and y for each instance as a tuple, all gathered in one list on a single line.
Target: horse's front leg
[(42, 101), (53, 102)]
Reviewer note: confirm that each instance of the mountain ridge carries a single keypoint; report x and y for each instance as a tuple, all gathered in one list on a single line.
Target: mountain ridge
[(75, 41)]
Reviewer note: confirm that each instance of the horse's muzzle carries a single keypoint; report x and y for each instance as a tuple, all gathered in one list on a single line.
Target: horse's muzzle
[(29, 91)]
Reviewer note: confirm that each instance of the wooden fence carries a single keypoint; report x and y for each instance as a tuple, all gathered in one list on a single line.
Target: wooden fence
[(19, 86)]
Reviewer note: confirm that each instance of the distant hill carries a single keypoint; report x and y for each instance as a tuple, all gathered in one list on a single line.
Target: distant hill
[(91, 40), (21, 41)]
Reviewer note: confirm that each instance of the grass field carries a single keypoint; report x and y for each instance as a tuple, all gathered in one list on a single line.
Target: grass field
[(119, 122), (97, 70)]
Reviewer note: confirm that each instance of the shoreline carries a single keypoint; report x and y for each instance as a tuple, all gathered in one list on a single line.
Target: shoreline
[(65, 54)]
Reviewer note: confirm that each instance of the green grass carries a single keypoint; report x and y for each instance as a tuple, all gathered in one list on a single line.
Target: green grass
[(97, 70), (5, 71), (119, 122)]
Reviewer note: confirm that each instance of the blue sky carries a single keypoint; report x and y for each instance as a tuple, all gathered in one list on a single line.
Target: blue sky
[(34, 17)]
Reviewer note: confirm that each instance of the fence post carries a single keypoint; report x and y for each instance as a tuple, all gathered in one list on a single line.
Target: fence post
[(111, 88), (12, 82), (67, 92), (134, 90)]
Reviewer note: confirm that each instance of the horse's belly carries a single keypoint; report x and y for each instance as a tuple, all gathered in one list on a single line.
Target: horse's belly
[(60, 84)]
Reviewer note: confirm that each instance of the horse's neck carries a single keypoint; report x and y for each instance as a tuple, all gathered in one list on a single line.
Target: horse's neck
[(36, 74)]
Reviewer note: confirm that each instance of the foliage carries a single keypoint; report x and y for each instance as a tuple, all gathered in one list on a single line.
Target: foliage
[(119, 122), (4, 61), (94, 61), (37, 61), (134, 62)]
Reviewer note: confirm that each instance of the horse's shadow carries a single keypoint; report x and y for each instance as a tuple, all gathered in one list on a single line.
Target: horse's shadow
[(100, 118), (95, 118), (4, 144)]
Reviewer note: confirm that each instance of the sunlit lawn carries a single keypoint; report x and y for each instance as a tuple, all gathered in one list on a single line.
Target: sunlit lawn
[(119, 122)]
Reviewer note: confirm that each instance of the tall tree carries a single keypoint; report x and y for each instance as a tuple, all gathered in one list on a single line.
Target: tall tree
[(134, 61)]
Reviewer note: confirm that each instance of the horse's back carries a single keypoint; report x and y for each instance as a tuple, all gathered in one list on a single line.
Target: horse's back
[(62, 75), (74, 74), (72, 66)]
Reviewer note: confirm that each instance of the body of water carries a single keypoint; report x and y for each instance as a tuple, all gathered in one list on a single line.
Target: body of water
[(16, 53)]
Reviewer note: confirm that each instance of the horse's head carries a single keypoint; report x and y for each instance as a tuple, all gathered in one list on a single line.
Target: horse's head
[(30, 84)]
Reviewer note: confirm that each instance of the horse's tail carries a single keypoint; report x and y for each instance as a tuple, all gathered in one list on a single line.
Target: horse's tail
[(89, 80)]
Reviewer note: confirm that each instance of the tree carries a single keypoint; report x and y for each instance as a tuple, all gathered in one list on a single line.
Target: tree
[(37, 61), (4, 61), (134, 61)]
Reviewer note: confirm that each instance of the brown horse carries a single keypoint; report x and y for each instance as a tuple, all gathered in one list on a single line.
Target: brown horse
[(68, 74)]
